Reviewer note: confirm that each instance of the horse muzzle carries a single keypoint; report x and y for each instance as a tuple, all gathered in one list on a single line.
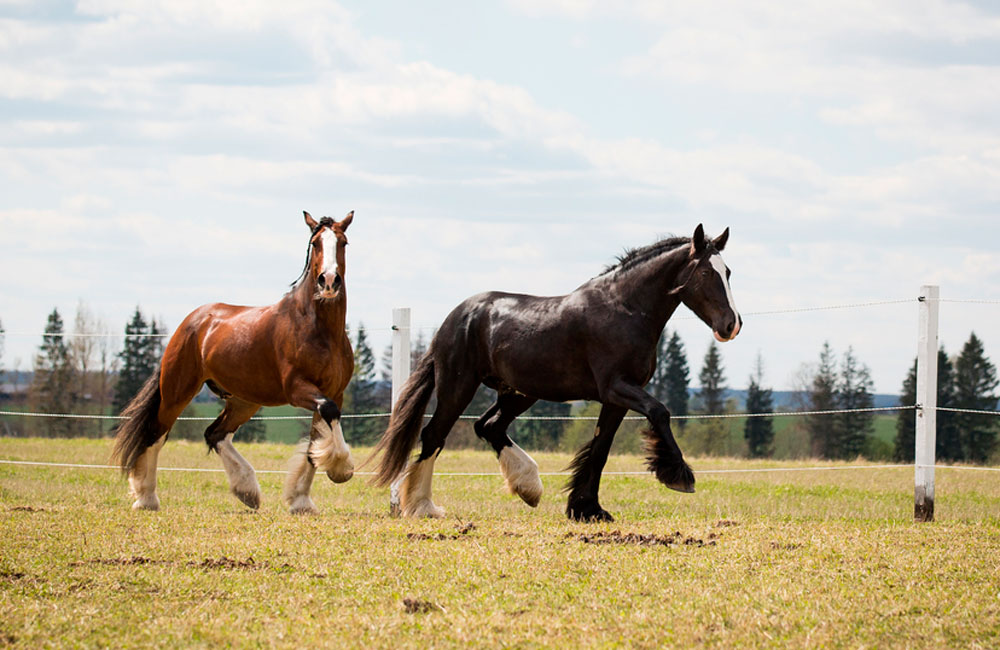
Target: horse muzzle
[(728, 331), (328, 288)]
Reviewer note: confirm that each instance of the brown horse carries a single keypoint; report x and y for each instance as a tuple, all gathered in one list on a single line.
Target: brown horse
[(295, 351)]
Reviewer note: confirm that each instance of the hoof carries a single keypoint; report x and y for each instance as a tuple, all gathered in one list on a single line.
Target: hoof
[(151, 502), (302, 505), (589, 512), (340, 475), (249, 499), (677, 476), (423, 508)]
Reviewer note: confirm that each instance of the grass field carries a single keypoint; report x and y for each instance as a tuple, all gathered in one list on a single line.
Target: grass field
[(751, 560)]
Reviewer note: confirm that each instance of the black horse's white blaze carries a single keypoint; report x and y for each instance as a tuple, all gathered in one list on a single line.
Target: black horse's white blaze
[(723, 271)]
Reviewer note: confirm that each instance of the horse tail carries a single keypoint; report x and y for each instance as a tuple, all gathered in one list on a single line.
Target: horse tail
[(140, 425), (405, 423)]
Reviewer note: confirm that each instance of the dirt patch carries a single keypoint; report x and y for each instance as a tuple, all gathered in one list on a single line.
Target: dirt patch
[(135, 560), (6, 638), (726, 523), (227, 563), (12, 575), (26, 509), (639, 539), (462, 530), (785, 546), (248, 564), (419, 606)]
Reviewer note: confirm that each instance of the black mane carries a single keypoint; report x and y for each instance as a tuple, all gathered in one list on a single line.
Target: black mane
[(633, 257)]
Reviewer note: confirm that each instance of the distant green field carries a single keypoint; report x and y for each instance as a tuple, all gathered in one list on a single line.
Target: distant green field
[(787, 558)]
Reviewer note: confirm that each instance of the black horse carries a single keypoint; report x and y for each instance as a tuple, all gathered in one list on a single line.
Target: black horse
[(596, 343)]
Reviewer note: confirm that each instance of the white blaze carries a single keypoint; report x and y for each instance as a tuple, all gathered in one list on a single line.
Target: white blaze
[(720, 268), (329, 240)]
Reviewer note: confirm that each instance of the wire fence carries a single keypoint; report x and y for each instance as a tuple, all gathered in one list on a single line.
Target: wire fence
[(742, 470), (705, 416), (565, 418)]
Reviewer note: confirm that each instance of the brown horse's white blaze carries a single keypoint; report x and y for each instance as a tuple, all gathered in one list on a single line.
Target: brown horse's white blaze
[(295, 351)]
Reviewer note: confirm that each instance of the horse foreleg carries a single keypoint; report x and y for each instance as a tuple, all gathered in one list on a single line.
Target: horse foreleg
[(142, 478), (665, 458), (328, 450), (587, 466)]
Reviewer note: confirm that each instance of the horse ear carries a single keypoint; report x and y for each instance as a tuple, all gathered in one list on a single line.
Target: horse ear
[(347, 220), (698, 243), (310, 221), (720, 241)]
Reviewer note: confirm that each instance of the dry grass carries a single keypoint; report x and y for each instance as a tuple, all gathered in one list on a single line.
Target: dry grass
[(790, 559)]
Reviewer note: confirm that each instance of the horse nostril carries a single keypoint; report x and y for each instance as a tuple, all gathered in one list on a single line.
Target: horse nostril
[(321, 280)]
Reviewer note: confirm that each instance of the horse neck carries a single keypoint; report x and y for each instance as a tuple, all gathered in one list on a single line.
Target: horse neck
[(327, 316), (647, 287)]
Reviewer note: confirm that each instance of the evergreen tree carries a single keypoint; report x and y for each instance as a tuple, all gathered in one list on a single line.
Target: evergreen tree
[(759, 432), (253, 430), (677, 378), (657, 386), (855, 392), (713, 382), (140, 357), (975, 388), (418, 349), (823, 396), (541, 434), (53, 384), (359, 397), (949, 445), (906, 421), (671, 376)]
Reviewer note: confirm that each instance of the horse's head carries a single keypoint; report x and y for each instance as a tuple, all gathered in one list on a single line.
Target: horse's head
[(706, 290), (326, 254)]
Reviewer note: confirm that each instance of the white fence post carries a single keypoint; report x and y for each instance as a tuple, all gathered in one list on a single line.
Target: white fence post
[(926, 413), (400, 372)]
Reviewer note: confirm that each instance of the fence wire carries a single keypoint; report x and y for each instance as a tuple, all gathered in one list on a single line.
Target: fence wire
[(747, 470), (564, 418)]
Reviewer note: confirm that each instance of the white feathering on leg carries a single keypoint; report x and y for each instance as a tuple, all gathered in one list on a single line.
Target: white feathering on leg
[(330, 453), (299, 481), (415, 494), (142, 478), (242, 478), (520, 472)]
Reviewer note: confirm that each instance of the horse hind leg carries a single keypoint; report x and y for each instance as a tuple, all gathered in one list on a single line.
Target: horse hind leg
[(520, 471), (142, 478), (219, 436), (415, 490)]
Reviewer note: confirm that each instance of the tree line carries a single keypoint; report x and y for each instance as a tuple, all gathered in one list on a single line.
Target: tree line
[(86, 374)]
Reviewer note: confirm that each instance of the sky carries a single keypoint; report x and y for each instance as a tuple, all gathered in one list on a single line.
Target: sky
[(160, 154)]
